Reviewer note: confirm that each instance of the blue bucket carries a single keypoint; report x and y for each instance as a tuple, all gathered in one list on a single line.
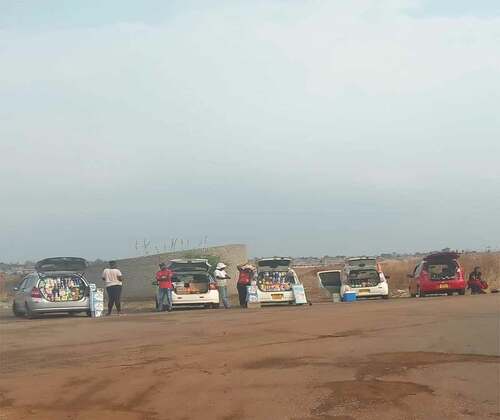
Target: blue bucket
[(349, 297)]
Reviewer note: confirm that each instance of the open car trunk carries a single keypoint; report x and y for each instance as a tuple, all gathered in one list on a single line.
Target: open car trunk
[(275, 281), (191, 283), (62, 287), (274, 274), (363, 278), (442, 266), (441, 270)]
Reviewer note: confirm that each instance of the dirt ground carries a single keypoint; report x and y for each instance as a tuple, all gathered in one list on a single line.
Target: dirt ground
[(432, 358)]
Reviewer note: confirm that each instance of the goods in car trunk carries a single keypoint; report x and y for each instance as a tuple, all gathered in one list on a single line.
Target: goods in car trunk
[(363, 278), (191, 284), (62, 288), (275, 281), (96, 301)]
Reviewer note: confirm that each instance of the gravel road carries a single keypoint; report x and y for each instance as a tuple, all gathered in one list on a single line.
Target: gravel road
[(432, 358)]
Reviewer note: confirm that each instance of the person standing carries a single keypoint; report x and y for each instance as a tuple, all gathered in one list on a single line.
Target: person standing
[(165, 286), (221, 279), (246, 274), (113, 281)]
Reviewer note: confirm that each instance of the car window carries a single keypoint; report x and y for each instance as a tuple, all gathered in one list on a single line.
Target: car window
[(32, 280), (418, 270), (22, 285)]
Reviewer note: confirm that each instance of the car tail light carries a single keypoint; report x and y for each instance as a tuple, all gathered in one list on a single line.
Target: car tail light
[(212, 286), (35, 293)]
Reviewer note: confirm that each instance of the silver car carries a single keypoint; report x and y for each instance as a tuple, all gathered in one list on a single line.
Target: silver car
[(58, 285)]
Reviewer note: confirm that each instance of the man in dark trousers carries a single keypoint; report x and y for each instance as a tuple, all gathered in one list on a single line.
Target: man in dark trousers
[(165, 286), (113, 281), (246, 275)]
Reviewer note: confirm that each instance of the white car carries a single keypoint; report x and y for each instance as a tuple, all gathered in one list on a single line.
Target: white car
[(275, 279), (193, 284), (364, 276)]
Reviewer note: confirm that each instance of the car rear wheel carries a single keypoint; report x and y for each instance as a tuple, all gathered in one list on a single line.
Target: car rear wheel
[(16, 311), (461, 292), (385, 297), (449, 293)]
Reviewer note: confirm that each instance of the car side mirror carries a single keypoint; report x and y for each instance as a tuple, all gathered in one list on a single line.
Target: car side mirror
[(16, 289), (410, 276)]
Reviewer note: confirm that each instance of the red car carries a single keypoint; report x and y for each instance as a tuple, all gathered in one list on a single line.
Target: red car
[(437, 273)]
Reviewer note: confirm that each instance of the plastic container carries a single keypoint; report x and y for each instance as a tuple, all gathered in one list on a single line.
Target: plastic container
[(349, 296)]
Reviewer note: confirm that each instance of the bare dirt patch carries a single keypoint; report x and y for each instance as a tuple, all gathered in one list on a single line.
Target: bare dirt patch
[(363, 394)]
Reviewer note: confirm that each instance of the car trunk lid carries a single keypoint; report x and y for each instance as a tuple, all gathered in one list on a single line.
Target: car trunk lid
[(194, 265), (276, 264), (58, 264)]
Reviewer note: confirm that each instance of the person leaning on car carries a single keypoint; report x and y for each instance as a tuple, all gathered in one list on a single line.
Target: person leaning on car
[(113, 281), (221, 278)]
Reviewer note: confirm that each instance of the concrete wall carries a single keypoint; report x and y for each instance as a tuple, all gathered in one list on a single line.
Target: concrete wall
[(139, 272)]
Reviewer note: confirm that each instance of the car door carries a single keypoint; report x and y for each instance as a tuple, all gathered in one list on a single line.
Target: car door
[(19, 297), (414, 281)]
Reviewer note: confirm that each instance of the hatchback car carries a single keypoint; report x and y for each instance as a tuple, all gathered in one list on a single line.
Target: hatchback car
[(193, 284), (275, 280), (57, 285), (437, 273), (364, 276)]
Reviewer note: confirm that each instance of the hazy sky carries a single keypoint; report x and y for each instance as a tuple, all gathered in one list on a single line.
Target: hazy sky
[(297, 127)]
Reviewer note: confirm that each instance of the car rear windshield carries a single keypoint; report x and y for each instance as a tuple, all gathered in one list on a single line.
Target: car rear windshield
[(330, 279), (186, 284), (442, 270), (363, 278), (62, 288)]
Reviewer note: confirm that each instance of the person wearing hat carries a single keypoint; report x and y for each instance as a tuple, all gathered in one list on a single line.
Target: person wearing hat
[(247, 272), (165, 286), (221, 278)]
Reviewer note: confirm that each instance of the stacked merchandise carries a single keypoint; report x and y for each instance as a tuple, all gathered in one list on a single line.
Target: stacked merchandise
[(62, 289), (252, 295), (96, 301), (188, 284), (274, 281)]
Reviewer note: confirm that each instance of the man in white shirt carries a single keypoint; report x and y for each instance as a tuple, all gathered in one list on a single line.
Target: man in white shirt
[(221, 278), (113, 279)]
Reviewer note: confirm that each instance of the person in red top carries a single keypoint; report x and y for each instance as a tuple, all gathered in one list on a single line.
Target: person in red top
[(246, 275), (165, 286), (476, 284)]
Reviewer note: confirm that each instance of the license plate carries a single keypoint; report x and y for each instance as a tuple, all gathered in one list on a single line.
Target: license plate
[(277, 297), (364, 291), (444, 286)]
